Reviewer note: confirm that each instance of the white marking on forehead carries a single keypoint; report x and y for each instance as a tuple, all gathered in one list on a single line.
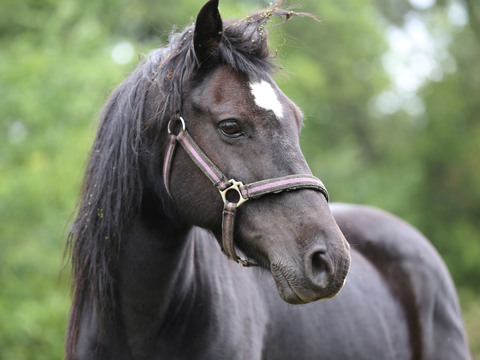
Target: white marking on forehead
[(266, 98)]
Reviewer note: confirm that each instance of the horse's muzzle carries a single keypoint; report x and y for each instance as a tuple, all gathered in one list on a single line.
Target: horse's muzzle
[(321, 276)]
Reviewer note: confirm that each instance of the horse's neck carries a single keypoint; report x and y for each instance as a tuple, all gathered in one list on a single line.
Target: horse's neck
[(160, 276), (175, 285), (154, 260)]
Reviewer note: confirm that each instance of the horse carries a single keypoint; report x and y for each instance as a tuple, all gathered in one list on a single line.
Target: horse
[(196, 170)]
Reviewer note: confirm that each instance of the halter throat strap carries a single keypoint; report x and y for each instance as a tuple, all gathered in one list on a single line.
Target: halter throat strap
[(225, 185)]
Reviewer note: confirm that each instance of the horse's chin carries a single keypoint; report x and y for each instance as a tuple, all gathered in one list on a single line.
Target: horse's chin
[(287, 293), (299, 294)]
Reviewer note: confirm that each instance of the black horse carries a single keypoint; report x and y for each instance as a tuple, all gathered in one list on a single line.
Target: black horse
[(199, 148)]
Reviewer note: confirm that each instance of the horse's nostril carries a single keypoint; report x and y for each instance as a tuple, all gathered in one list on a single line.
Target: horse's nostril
[(318, 268), (318, 263)]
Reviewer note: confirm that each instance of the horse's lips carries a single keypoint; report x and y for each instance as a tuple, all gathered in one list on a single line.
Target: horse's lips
[(285, 289)]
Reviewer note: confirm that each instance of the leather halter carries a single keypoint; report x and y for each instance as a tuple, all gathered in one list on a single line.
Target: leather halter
[(224, 186)]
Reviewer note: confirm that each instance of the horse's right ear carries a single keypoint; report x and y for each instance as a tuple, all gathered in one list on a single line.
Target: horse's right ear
[(208, 31)]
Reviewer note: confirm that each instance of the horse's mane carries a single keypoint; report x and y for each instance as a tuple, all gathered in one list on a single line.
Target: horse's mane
[(126, 150)]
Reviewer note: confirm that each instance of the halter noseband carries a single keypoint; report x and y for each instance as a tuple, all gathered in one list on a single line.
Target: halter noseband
[(224, 186)]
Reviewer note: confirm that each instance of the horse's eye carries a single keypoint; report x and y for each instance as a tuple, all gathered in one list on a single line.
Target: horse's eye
[(230, 128)]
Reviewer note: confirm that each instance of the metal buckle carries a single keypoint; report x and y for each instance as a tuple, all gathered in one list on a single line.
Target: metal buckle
[(244, 262), (235, 185), (181, 120)]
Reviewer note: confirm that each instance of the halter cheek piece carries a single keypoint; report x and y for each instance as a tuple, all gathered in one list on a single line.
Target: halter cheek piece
[(224, 186)]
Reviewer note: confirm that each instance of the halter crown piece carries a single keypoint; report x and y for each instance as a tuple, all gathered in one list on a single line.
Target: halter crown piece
[(224, 186)]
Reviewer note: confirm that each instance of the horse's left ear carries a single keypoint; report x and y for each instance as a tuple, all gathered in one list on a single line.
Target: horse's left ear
[(208, 31)]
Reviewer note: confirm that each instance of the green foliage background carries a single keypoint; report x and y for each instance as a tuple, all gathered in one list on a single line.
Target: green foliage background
[(418, 161)]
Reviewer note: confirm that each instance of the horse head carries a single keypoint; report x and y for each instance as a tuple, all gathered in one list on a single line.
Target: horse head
[(242, 123)]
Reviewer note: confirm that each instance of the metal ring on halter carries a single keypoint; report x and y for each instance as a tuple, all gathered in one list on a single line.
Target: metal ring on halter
[(181, 120), (235, 185)]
